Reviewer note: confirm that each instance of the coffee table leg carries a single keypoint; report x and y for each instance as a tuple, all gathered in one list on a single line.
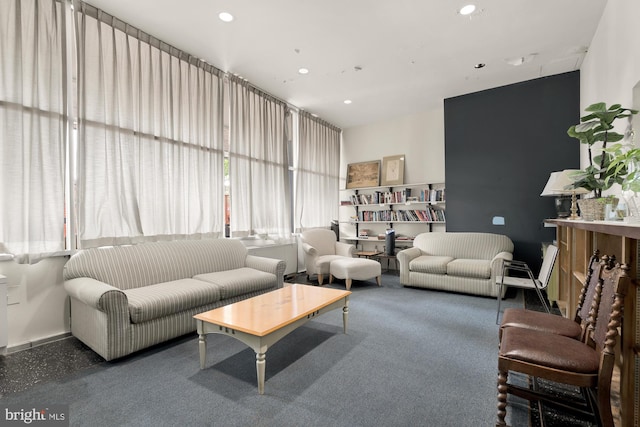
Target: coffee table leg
[(202, 345), (345, 314), (261, 363)]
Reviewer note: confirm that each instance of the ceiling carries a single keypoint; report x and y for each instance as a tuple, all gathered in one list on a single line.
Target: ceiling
[(390, 58)]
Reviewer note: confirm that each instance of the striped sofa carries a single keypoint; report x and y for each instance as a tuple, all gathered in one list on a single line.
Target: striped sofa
[(127, 298), (459, 262)]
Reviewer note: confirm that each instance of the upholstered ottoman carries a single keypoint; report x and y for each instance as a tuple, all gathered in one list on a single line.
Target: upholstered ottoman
[(354, 268)]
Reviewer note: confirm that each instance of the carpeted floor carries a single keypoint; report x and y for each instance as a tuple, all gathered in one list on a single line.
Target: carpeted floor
[(410, 357)]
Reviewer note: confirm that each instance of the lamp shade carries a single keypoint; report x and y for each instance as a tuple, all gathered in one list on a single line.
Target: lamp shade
[(560, 183)]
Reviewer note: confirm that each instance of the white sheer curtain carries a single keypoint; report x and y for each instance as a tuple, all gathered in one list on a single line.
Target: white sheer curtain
[(317, 173), (33, 127), (150, 147), (258, 163)]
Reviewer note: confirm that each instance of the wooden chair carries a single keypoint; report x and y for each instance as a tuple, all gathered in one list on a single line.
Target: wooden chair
[(544, 322), (588, 366), (530, 282)]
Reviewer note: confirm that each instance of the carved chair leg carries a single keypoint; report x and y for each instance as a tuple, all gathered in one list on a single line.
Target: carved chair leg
[(603, 406), (502, 399)]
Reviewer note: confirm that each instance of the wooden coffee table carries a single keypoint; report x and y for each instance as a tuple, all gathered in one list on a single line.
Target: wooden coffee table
[(261, 321)]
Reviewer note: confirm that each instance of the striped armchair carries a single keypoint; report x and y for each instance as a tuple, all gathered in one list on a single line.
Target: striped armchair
[(127, 298), (459, 262)]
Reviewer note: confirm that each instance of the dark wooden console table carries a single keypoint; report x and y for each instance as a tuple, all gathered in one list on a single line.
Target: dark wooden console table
[(577, 240)]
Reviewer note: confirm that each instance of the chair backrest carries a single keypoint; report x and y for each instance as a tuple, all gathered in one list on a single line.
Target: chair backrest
[(587, 300), (614, 287), (323, 239), (547, 265)]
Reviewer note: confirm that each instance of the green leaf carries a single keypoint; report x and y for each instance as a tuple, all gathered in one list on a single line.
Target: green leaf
[(614, 137), (585, 127), (598, 106), (608, 117)]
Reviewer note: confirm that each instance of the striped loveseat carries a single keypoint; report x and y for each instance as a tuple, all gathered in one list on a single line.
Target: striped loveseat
[(459, 262), (126, 298)]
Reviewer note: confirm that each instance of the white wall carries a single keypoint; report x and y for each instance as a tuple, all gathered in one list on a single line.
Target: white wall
[(420, 137), (38, 307), (611, 68)]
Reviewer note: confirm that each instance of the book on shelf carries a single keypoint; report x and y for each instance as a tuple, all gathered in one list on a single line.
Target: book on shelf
[(407, 215), (364, 233), (432, 195), (425, 195)]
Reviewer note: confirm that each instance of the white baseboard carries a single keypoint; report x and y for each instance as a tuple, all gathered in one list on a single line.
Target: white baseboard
[(32, 344)]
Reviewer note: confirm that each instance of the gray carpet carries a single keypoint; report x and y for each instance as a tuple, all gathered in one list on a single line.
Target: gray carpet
[(411, 357)]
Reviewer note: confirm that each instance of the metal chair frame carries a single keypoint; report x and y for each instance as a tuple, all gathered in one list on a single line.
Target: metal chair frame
[(531, 282)]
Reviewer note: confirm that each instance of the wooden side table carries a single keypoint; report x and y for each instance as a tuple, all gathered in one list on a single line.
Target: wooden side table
[(367, 254), (389, 258)]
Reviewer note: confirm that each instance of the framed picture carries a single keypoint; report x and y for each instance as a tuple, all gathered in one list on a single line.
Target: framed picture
[(393, 170), (364, 174)]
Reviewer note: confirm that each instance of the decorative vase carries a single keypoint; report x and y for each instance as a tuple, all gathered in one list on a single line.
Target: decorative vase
[(594, 209)]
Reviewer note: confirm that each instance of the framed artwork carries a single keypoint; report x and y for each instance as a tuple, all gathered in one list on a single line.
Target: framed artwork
[(364, 174), (393, 170)]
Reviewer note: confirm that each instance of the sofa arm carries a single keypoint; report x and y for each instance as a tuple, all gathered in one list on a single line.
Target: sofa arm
[(404, 257), (496, 263), (268, 265), (94, 293), (345, 249), (100, 316)]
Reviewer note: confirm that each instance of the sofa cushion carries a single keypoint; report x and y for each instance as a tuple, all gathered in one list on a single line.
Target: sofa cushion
[(430, 264), (474, 268), (154, 301), (239, 281)]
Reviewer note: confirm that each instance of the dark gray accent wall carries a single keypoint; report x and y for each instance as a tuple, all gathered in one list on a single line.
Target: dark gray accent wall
[(500, 147)]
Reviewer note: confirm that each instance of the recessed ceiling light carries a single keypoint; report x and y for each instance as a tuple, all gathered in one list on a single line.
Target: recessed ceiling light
[(467, 10), (303, 71), (479, 65), (347, 101), (225, 16)]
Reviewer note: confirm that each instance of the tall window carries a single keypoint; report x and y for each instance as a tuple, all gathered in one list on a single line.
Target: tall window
[(154, 124), (317, 173), (150, 154), (33, 127), (258, 166)]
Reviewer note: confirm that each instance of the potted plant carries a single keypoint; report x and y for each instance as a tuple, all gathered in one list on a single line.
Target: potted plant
[(597, 127)]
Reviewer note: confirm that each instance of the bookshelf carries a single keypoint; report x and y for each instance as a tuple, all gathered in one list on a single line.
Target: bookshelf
[(409, 209)]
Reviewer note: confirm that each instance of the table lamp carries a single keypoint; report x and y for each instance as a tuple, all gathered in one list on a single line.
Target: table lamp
[(560, 185)]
